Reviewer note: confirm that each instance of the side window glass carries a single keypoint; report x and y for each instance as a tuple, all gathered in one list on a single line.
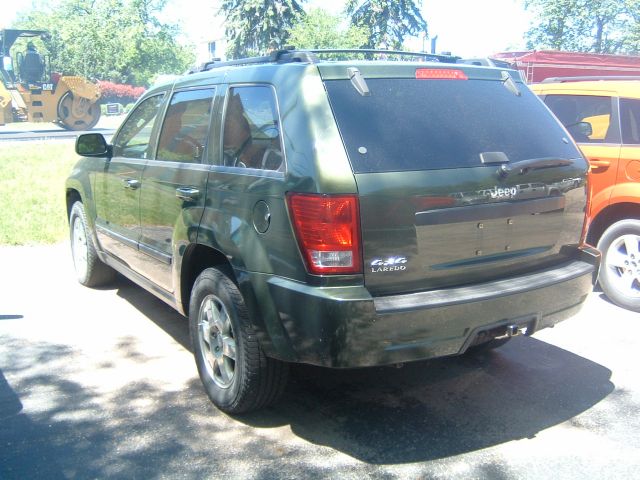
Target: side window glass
[(587, 118), (630, 120), (134, 136), (185, 128), (251, 136)]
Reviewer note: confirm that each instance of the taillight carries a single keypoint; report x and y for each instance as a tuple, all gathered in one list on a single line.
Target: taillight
[(587, 209), (328, 232), (440, 74)]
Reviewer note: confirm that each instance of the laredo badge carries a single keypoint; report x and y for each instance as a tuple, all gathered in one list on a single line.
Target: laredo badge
[(391, 264)]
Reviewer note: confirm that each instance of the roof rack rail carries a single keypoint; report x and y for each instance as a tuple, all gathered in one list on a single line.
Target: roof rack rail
[(589, 78), (311, 56), (277, 56), (372, 51)]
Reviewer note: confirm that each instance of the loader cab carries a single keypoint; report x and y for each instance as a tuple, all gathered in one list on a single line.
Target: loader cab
[(7, 72), (32, 66), (28, 67), (30, 92)]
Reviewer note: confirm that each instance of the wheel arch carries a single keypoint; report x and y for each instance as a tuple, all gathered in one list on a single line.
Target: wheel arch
[(610, 215), (72, 196), (197, 258)]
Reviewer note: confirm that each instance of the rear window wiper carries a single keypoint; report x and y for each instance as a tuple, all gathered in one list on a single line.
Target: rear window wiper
[(525, 166)]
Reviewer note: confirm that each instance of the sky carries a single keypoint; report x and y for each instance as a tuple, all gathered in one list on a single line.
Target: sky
[(467, 28)]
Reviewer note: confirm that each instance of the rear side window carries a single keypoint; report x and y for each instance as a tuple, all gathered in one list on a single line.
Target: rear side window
[(185, 129), (572, 110), (408, 124), (630, 120), (251, 137)]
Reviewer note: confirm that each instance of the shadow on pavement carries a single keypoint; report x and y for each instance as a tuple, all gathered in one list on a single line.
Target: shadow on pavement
[(76, 431), (425, 410), (78, 427), (440, 408), (155, 310), (24, 448)]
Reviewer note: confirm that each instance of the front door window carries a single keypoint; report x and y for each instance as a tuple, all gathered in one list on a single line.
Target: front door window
[(134, 137)]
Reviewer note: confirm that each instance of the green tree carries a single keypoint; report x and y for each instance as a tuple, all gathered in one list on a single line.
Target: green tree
[(117, 40), (319, 29), (632, 44), (387, 22), (600, 26), (258, 26)]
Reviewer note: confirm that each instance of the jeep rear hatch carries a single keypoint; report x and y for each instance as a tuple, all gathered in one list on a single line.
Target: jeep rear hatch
[(460, 174)]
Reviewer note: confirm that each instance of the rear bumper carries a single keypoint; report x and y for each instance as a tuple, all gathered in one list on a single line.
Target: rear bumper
[(346, 327)]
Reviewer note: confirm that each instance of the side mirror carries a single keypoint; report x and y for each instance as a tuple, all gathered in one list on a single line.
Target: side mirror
[(92, 145), (583, 128)]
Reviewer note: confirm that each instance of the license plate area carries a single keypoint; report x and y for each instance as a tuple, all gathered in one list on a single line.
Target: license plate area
[(520, 326)]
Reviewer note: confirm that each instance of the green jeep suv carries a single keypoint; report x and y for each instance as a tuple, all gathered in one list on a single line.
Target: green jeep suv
[(341, 213)]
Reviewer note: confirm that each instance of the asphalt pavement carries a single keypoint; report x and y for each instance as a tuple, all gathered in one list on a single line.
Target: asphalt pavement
[(101, 383), (24, 131)]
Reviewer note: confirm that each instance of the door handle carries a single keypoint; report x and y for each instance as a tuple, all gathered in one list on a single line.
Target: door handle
[(595, 163), (187, 194), (131, 183)]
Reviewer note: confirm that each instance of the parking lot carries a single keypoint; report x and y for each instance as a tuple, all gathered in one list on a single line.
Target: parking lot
[(102, 384)]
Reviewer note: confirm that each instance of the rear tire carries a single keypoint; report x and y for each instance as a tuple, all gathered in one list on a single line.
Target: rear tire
[(237, 376), (620, 270), (90, 270)]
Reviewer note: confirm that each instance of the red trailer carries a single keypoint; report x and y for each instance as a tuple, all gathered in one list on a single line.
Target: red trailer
[(535, 66)]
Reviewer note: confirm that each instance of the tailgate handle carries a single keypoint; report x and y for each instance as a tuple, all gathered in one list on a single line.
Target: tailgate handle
[(604, 164), (188, 194)]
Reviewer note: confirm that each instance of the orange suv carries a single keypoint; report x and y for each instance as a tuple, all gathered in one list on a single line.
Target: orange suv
[(603, 116)]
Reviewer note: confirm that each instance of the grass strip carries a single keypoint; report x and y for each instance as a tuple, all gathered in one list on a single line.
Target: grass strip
[(32, 199)]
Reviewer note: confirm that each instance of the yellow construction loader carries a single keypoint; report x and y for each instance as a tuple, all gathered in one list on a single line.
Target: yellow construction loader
[(30, 92)]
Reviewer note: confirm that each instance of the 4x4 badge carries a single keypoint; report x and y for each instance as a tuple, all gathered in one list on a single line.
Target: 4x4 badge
[(391, 264)]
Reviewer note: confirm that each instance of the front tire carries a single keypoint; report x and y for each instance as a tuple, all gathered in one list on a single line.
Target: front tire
[(237, 376), (620, 270), (90, 270)]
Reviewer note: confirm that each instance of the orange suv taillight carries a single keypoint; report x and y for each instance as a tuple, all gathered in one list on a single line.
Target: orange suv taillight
[(328, 231), (587, 209)]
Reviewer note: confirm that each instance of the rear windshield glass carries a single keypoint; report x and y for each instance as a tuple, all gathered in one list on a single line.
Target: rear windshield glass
[(408, 124)]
